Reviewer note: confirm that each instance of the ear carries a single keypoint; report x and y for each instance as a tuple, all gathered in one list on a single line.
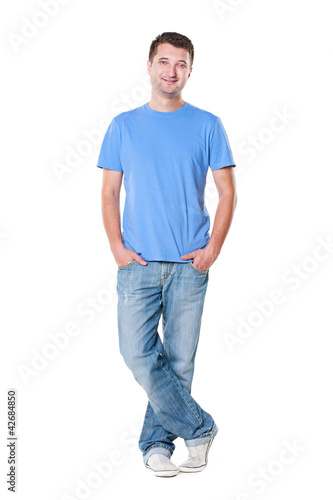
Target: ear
[(148, 66)]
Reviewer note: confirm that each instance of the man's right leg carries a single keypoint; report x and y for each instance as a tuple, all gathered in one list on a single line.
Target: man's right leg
[(139, 310), (153, 437)]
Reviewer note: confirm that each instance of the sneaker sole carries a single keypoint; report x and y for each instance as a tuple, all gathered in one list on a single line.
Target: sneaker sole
[(163, 473)]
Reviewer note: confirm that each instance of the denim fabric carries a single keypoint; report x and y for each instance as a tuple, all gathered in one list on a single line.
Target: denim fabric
[(164, 367)]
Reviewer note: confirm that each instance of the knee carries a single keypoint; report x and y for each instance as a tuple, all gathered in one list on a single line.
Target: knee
[(184, 373), (142, 365)]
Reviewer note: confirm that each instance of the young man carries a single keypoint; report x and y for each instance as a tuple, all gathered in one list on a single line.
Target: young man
[(163, 150)]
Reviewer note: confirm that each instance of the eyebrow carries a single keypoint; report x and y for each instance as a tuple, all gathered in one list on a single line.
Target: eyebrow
[(179, 60)]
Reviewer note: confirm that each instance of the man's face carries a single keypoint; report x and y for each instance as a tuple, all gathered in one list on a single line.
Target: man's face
[(170, 70)]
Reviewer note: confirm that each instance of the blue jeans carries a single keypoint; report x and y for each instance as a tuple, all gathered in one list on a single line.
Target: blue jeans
[(164, 370)]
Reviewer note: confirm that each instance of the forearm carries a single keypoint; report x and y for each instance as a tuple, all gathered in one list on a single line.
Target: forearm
[(111, 220), (222, 221)]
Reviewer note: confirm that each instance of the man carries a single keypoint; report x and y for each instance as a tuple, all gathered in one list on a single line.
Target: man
[(163, 150)]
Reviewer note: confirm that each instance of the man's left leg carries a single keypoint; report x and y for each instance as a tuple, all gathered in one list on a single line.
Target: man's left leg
[(183, 297)]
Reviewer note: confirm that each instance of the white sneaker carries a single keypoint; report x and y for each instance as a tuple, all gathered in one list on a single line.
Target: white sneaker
[(161, 465), (197, 459)]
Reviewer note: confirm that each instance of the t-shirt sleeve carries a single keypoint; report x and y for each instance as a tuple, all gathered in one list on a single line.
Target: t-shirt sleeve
[(220, 154), (109, 156)]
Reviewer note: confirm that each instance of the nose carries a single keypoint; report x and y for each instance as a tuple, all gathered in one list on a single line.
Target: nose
[(170, 76), (171, 73)]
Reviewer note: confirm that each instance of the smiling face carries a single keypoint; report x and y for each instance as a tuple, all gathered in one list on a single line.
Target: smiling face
[(169, 70)]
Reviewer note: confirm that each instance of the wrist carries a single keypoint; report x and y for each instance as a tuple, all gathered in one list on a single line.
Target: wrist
[(213, 249), (116, 247)]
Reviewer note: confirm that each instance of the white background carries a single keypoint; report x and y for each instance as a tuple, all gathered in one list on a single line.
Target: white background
[(254, 59)]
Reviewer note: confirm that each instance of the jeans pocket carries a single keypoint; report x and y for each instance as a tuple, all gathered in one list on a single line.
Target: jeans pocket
[(127, 265), (197, 270)]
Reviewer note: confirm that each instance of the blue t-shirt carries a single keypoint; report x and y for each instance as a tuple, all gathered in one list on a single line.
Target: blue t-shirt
[(165, 158)]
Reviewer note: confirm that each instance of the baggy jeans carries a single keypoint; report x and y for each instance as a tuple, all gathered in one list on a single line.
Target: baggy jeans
[(164, 369)]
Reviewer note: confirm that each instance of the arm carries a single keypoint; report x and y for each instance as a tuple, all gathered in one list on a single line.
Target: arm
[(111, 186), (226, 186), (111, 207), (224, 179)]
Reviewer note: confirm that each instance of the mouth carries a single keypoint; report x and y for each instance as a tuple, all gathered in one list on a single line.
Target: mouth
[(169, 81)]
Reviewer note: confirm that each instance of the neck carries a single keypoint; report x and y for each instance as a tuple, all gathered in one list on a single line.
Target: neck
[(165, 104)]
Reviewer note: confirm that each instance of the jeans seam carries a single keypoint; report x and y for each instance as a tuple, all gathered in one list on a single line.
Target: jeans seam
[(200, 421), (198, 270), (146, 418), (157, 445), (127, 265), (208, 434)]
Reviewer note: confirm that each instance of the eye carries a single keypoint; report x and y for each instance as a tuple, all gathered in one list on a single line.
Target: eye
[(163, 62)]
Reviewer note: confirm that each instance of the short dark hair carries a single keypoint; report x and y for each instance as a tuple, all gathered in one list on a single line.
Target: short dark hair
[(175, 39)]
